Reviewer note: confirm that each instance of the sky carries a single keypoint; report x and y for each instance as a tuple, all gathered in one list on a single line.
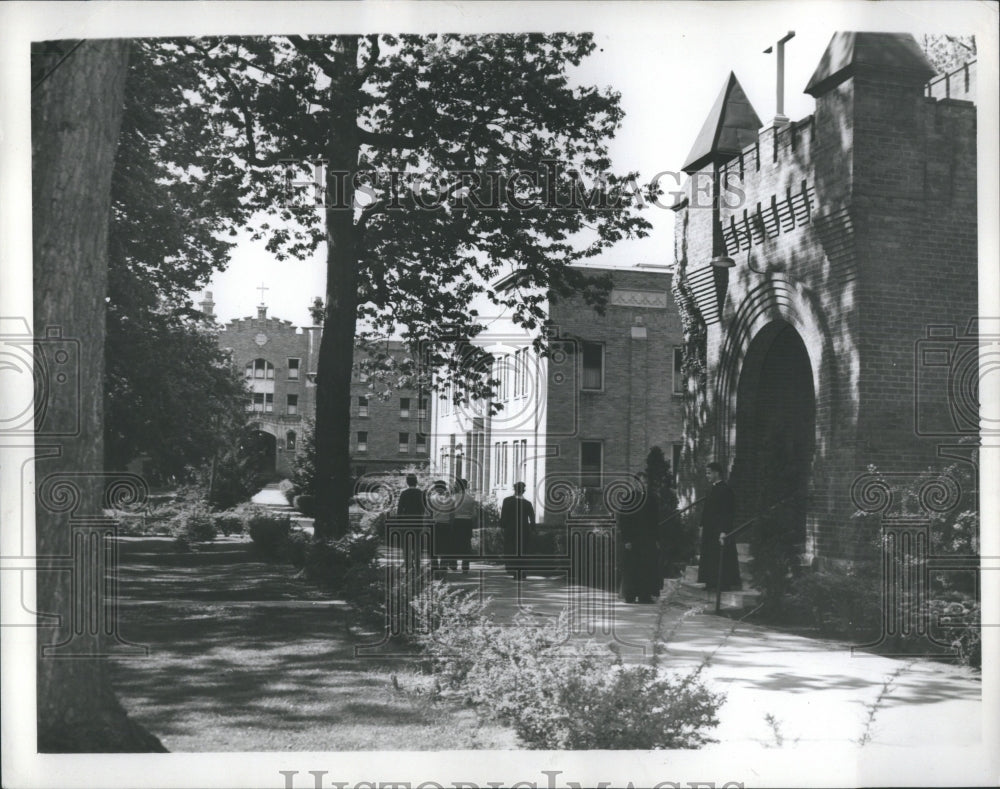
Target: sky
[(669, 62)]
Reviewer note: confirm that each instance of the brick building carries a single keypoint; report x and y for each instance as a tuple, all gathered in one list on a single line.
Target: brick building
[(835, 277), (279, 361), (586, 416)]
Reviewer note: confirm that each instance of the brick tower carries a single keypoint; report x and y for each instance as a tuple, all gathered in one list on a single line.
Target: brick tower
[(817, 259)]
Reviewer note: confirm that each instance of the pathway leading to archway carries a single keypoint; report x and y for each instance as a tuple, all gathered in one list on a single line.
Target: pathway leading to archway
[(243, 656)]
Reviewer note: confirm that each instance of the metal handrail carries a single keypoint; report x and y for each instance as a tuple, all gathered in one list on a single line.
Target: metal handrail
[(675, 513), (730, 534)]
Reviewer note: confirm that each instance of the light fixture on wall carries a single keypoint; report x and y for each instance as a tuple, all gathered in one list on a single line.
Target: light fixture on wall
[(723, 261)]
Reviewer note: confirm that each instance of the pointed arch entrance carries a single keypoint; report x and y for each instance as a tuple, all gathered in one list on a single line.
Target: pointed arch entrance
[(775, 427)]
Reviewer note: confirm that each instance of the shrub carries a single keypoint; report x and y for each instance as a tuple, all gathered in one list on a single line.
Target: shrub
[(297, 548), (287, 489), (558, 693), (487, 541), (306, 504), (229, 522), (338, 564), (268, 531), (844, 604), (196, 524), (960, 626)]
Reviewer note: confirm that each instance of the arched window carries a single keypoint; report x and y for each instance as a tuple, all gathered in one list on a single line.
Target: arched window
[(260, 369), (290, 440)]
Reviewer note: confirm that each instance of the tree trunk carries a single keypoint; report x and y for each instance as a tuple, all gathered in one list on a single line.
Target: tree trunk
[(336, 350), (76, 112)]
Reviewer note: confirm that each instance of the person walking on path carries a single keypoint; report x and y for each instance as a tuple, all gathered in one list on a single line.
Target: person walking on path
[(716, 522), (517, 520), (442, 507), (412, 507), (637, 526), (466, 519)]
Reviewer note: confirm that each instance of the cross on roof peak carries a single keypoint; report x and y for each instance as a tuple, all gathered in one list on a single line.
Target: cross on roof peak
[(262, 288)]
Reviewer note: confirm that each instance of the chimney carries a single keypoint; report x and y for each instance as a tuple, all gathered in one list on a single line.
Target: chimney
[(262, 312), (207, 305)]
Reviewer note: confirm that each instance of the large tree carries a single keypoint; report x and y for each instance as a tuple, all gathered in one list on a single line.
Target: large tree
[(446, 161), (75, 116), (175, 202)]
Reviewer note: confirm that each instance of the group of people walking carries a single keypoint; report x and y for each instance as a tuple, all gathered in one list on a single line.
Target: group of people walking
[(455, 514), (647, 536), (646, 532)]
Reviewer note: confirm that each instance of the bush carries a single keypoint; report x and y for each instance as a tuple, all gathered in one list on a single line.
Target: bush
[(229, 522), (306, 504), (961, 628), (196, 524), (339, 564), (287, 489), (297, 548), (268, 531), (487, 541), (846, 604), (558, 693)]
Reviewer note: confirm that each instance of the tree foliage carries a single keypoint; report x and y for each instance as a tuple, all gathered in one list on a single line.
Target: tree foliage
[(169, 392), (947, 53), (442, 160)]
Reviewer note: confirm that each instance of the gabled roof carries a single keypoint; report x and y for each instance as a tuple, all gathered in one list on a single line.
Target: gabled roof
[(895, 53), (731, 125)]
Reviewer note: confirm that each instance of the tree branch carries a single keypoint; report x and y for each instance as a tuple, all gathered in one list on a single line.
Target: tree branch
[(326, 65), (387, 139), (373, 56)]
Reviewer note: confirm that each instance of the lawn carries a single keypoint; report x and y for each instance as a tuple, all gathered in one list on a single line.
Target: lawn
[(244, 657)]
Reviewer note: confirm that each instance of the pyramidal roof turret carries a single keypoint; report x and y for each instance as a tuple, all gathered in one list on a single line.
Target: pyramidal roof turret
[(730, 127), (849, 53)]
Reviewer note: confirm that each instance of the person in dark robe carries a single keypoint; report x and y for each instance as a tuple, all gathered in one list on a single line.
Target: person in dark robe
[(642, 576), (441, 505), (517, 520), (412, 507), (466, 519), (411, 501), (716, 522)]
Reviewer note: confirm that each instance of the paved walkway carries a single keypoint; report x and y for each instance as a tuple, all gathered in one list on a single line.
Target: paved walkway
[(782, 690)]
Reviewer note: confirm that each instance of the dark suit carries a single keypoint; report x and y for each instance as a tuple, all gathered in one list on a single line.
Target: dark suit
[(411, 504), (517, 518), (716, 518), (641, 574)]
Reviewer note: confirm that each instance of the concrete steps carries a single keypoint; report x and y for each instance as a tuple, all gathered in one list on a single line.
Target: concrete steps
[(739, 600)]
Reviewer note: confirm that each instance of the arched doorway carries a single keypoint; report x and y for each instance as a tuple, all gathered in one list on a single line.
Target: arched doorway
[(775, 429), (261, 450)]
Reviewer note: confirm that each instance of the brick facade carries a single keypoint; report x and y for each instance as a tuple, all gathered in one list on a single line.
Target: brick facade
[(856, 228), (292, 391), (552, 406)]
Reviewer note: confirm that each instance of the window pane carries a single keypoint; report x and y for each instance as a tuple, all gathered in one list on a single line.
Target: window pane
[(404, 442), (678, 371), (362, 406), (362, 440), (293, 369), (590, 463), (293, 404), (593, 365)]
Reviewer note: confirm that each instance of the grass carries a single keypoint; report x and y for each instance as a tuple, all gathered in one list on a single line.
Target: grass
[(244, 657)]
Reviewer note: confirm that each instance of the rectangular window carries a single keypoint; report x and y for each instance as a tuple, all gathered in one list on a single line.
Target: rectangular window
[(362, 376), (593, 365), (678, 370), (404, 407), (362, 406), (504, 459), (293, 369), (496, 463), (591, 464), (516, 457), (517, 372), (524, 460), (292, 407), (422, 408), (362, 441), (421, 444), (404, 443), (269, 402)]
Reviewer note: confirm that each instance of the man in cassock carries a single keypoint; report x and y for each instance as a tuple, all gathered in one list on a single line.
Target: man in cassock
[(638, 530), (716, 522), (517, 519)]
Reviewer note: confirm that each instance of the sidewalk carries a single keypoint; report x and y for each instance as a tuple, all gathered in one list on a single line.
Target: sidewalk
[(782, 690)]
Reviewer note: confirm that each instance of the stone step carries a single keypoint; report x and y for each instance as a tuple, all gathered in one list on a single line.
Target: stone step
[(745, 598)]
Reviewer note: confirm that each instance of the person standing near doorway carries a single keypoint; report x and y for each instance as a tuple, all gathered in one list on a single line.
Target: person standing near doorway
[(716, 522), (517, 519)]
